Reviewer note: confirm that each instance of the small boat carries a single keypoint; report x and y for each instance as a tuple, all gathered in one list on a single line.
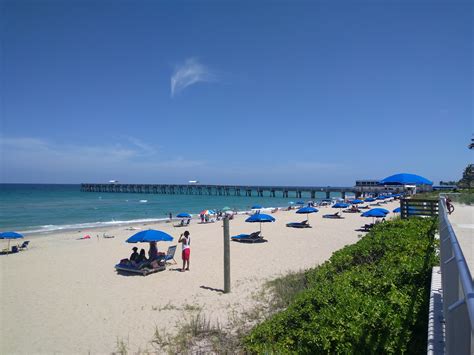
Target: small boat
[(143, 201)]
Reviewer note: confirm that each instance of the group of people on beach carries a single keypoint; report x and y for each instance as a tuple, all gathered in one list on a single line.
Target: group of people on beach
[(140, 260)]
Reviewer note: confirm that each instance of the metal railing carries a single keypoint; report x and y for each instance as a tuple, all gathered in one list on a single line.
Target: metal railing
[(458, 290), (418, 208)]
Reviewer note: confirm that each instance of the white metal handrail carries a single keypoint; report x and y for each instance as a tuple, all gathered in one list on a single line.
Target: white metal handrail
[(458, 290)]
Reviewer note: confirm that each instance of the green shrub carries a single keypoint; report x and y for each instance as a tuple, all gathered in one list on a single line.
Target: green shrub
[(370, 297)]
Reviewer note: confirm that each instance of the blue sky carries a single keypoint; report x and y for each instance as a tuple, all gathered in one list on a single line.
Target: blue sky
[(245, 92)]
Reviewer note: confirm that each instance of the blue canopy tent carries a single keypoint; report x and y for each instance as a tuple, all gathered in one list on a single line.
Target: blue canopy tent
[(261, 218), (10, 236), (405, 179), (307, 211)]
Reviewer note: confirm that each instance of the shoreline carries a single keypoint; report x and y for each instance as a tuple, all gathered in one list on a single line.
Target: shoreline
[(111, 224)]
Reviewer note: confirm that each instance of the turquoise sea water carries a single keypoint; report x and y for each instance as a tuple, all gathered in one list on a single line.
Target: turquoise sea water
[(35, 208)]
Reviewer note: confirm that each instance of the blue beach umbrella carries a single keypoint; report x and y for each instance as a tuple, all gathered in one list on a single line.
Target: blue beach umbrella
[(375, 213), (300, 203), (397, 210), (356, 201), (261, 218), (369, 199), (307, 210), (257, 207), (340, 205), (150, 235), (184, 215), (383, 210), (9, 236)]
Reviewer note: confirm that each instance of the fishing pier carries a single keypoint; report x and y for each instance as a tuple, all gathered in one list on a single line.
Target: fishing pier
[(220, 190)]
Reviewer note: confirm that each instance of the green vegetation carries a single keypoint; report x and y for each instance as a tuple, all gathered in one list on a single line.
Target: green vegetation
[(463, 196), (370, 297)]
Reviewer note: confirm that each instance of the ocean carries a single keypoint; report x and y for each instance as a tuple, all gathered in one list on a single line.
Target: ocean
[(41, 208)]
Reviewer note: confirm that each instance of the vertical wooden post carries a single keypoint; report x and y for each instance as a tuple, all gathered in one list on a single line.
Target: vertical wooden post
[(226, 255)]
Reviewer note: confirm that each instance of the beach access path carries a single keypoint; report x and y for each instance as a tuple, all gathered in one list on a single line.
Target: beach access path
[(62, 295), (462, 220)]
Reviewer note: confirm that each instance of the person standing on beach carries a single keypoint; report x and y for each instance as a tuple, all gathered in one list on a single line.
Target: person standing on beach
[(171, 216), (185, 239)]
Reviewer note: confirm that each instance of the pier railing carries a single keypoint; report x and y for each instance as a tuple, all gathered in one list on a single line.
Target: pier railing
[(418, 208), (219, 190), (458, 290)]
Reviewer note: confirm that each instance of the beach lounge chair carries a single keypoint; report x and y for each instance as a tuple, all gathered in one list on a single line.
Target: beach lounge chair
[(14, 249), (249, 238), (333, 216), (303, 224), (352, 210), (24, 245), (180, 224), (146, 269), (170, 253), (367, 227)]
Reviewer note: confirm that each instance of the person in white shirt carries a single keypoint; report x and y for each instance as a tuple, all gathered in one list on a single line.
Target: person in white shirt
[(185, 239)]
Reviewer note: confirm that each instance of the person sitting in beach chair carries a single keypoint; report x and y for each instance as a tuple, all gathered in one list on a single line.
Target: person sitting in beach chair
[(152, 252), (180, 224), (134, 256), (303, 224), (249, 238)]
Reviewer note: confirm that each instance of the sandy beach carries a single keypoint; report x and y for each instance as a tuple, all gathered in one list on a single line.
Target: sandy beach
[(63, 295)]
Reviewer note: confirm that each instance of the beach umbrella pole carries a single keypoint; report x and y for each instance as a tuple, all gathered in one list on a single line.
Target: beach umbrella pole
[(226, 255)]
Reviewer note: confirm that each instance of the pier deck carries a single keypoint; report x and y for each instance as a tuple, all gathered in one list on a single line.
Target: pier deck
[(219, 190)]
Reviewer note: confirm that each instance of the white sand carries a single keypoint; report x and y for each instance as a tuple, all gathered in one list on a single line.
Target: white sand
[(64, 296)]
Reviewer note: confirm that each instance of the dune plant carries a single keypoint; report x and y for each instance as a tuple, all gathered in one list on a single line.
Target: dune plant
[(370, 297)]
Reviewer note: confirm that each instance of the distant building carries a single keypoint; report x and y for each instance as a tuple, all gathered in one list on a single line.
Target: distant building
[(374, 187)]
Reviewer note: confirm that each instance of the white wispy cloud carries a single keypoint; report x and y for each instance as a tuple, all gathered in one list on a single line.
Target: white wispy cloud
[(189, 73)]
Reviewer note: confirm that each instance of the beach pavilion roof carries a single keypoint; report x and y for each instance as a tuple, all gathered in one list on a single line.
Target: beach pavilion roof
[(405, 179)]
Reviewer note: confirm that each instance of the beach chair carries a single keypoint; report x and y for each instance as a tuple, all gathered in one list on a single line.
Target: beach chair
[(170, 253), (333, 216), (303, 224), (24, 245), (367, 227), (180, 224), (249, 238), (147, 269)]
